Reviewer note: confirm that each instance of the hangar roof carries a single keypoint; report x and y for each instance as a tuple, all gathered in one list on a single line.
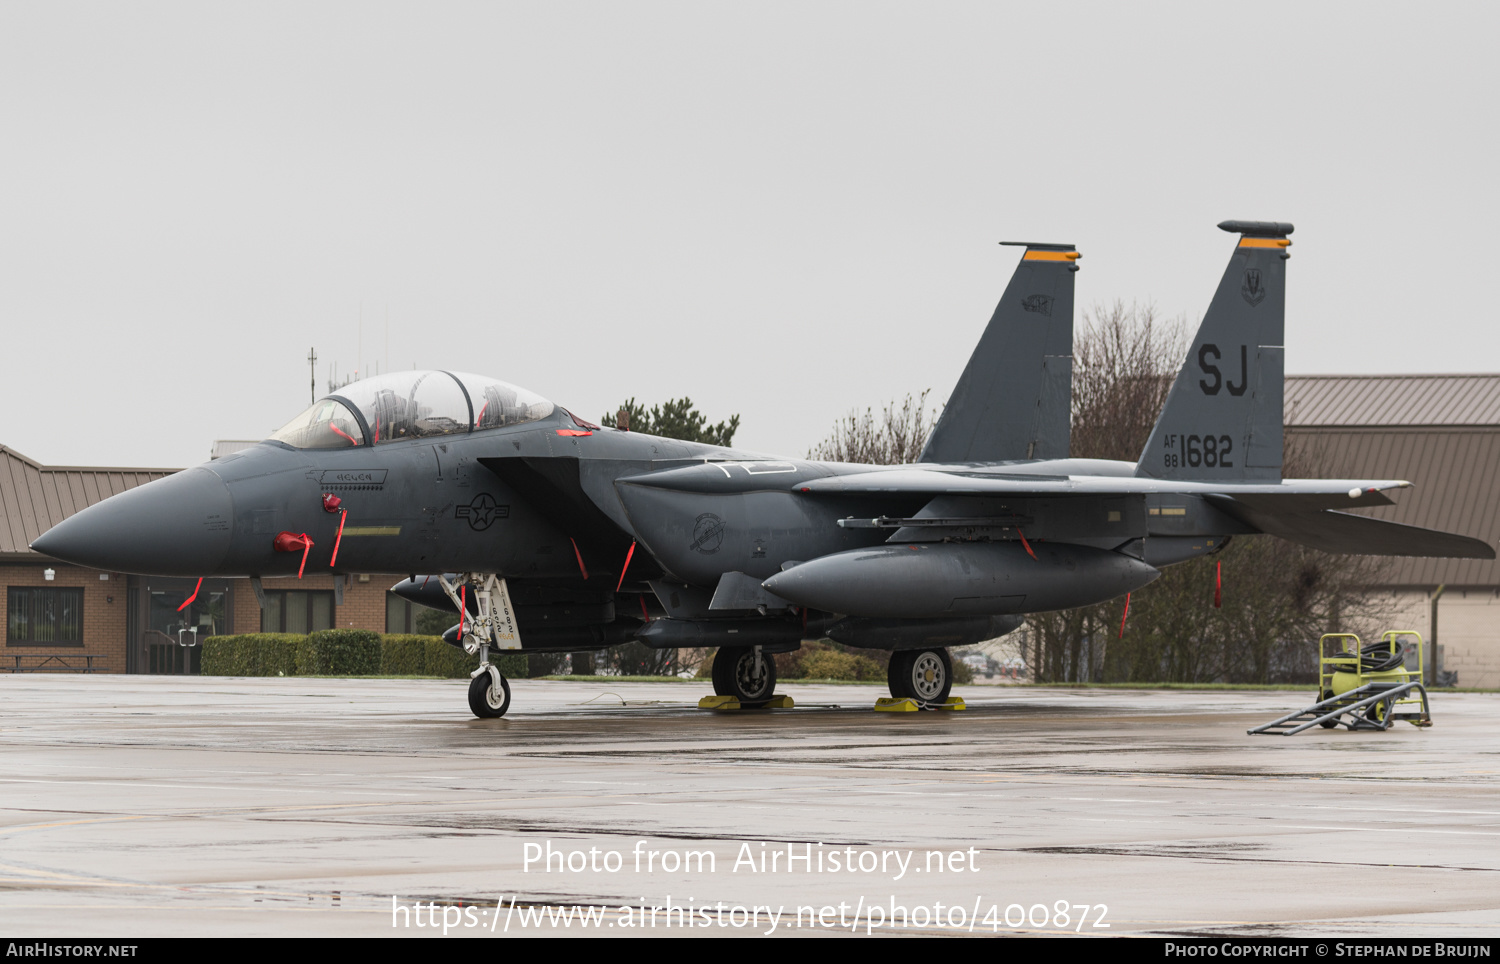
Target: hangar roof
[(1326, 400), (1456, 472), (1440, 432), (34, 497)]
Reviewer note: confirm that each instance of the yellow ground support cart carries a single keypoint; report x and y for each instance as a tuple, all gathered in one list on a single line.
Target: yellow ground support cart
[(1363, 687)]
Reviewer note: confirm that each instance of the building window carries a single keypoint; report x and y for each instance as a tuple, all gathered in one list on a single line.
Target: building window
[(44, 616), (404, 616), (398, 615), (296, 611)]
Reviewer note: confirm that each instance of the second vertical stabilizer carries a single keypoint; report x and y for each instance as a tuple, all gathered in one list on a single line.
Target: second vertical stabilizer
[(1223, 418)]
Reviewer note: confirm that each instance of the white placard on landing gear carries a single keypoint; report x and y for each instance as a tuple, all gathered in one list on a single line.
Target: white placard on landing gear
[(507, 633), (495, 623)]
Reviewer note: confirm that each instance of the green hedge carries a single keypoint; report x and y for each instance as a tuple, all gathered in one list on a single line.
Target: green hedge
[(344, 652), (340, 652), (252, 654), (453, 663), (830, 664), (405, 655), (430, 656)]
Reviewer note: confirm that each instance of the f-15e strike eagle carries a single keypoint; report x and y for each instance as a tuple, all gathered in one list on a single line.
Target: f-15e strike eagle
[(549, 533)]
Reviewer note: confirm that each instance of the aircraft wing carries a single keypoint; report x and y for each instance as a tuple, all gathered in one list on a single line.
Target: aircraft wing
[(1291, 494), (1298, 510)]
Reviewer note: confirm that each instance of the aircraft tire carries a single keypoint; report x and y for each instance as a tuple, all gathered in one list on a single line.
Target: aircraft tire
[(924, 675), (484, 701), (733, 675)]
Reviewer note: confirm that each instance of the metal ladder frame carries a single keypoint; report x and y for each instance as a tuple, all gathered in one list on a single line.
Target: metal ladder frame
[(1340, 705)]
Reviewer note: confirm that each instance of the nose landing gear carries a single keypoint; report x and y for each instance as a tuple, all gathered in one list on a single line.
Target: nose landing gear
[(494, 625)]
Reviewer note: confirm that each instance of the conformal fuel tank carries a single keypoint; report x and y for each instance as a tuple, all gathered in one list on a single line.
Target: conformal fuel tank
[(960, 579)]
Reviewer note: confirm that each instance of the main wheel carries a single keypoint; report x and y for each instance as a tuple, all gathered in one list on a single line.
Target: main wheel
[(736, 674), (484, 701), (924, 675)]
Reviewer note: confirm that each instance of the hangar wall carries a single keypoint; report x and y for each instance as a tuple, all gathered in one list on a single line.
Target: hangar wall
[(1468, 633), (1441, 433)]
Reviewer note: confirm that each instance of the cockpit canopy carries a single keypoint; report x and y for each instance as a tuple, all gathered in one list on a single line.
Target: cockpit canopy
[(417, 404)]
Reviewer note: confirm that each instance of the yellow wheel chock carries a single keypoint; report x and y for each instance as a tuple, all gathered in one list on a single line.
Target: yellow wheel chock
[(733, 703), (891, 704)]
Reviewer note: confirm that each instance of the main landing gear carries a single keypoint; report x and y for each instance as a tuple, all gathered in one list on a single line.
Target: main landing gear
[(494, 625), (745, 673), (924, 675)]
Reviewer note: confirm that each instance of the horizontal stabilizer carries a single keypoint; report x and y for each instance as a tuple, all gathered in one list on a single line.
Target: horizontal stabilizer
[(1309, 499), (1360, 535)]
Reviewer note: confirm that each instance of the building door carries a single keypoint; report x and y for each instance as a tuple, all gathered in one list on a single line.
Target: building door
[(167, 631)]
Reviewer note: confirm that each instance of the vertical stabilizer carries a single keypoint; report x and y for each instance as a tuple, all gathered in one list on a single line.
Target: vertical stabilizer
[(1222, 420), (1014, 397)]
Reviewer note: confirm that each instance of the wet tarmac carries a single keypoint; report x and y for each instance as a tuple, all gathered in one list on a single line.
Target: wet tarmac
[(155, 806)]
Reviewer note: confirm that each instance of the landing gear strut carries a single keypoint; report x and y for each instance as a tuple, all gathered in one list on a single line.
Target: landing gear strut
[(924, 675), (495, 625), (745, 673)]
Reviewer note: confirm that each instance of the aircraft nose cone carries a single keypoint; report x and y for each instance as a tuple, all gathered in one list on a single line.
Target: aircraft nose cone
[(176, 526)]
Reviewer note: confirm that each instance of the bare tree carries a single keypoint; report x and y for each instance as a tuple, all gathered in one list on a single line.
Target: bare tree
[(896, 439), (1123, 362), (638, 659), (1124, 358)]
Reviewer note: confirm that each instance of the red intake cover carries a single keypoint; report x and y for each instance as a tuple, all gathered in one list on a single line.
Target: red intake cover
[(290, 542)]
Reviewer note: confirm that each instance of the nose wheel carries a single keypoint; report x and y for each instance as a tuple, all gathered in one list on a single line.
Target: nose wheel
[(494, 626), (924, 675), (489, 693)]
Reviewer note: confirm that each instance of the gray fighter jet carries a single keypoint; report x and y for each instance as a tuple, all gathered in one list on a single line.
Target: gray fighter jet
[(545, 532)]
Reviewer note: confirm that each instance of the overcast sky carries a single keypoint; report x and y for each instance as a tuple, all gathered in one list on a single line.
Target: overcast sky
[(781, 210)]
